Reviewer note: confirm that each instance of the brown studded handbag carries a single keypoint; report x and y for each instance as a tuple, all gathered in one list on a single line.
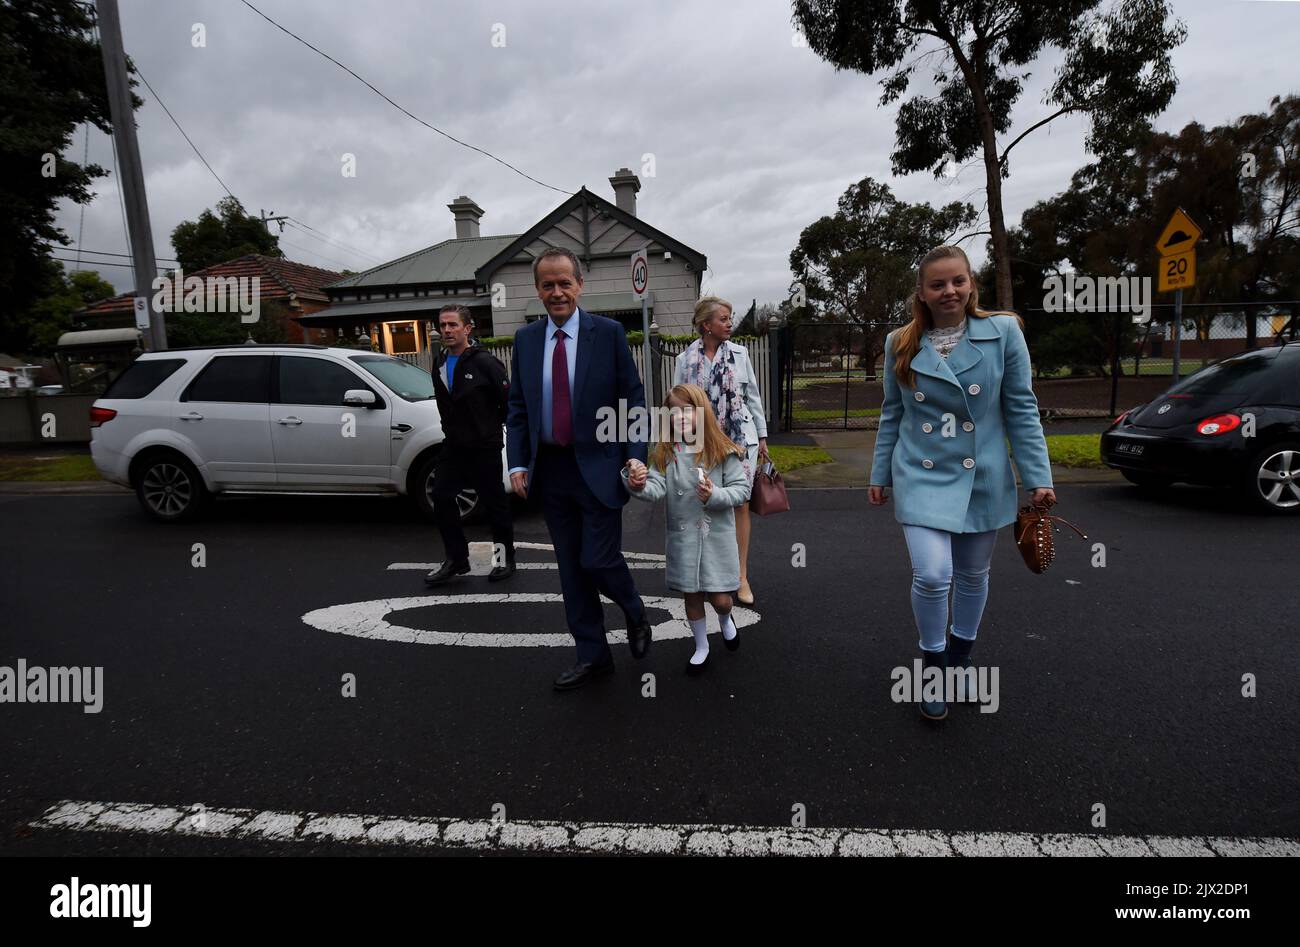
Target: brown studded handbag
[(1034, 536)]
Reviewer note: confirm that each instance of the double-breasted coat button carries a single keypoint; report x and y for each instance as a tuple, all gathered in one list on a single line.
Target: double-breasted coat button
[(919, 396), (927, 427), (679, 493), (927, 463), (968, 463), (974, 389), (967, 426)]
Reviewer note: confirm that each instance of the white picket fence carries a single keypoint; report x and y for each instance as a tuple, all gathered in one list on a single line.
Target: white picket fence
[(760, 356)]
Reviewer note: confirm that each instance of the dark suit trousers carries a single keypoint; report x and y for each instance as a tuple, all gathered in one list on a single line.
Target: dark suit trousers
[(473, 468), (588, 539)]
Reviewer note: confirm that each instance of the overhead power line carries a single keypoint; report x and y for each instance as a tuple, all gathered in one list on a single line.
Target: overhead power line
[(182, 131), (165, 259), (317, 235), (404, 111)]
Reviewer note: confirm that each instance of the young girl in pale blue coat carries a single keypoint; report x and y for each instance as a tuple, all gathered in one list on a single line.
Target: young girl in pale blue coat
[(698, 472), (957, 390)]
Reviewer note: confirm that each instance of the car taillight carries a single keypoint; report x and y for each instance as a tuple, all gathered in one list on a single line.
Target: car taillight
[(1219, 424), (1121, 417), (99, 415)]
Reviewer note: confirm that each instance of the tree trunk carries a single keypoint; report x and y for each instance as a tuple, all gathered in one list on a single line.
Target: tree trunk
[(997, 223)]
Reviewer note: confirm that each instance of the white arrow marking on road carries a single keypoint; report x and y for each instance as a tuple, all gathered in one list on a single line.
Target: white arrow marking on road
[(622, 837), (368, 620)]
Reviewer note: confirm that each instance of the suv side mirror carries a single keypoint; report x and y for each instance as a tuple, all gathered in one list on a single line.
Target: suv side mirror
[(360, 397)]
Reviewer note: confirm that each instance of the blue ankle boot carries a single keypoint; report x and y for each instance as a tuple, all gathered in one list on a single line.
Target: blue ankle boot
[(959, 657), (934, 709)]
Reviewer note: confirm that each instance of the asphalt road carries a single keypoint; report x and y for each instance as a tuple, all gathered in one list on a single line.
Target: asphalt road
[(1118, 685)]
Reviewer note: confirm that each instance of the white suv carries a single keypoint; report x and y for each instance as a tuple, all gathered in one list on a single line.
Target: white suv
[(180, 425)]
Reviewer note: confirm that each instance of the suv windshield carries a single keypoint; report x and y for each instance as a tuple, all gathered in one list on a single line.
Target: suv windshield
[(401, 378)]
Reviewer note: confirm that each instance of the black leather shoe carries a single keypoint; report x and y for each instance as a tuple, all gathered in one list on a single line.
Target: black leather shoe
[(638, 637), (581, 674), (734, 643), (695, 670), (446, 571), (502, 572)]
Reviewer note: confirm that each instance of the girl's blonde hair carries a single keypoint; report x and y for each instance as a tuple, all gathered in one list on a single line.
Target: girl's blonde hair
[(716, 445), (706, 307), (907, 340)]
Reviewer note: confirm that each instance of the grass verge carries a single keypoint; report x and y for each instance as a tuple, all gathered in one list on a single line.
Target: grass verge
[(1075, 450), (788, 458), (51, 468)]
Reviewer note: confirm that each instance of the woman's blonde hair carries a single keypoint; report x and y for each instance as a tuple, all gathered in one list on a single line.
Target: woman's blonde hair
[(706, 307), (716, 445), (907, 340)]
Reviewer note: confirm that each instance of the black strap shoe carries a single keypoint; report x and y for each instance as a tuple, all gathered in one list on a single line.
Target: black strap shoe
[(581, 674), (502, 572), (446, 571), (695, 670), (638, 637)]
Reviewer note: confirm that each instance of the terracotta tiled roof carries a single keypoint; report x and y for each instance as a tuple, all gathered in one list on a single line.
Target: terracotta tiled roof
[(279, 278)]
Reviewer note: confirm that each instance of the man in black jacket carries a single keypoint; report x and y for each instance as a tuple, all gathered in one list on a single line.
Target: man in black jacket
[(471, 387)]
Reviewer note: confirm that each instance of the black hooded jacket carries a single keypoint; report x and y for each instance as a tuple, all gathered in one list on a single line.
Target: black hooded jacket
[(474, 411)]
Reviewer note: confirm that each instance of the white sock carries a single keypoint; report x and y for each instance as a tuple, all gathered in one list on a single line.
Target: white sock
[(700, 629), (728, 626)]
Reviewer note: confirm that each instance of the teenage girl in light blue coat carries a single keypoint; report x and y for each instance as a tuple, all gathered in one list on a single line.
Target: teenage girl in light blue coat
[(957, 388), (696, 470)]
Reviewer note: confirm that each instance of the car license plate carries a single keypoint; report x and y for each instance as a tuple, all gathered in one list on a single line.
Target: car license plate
[(1134, 450)]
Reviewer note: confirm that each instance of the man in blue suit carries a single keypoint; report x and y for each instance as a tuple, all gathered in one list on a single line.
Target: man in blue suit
[(563, 370)]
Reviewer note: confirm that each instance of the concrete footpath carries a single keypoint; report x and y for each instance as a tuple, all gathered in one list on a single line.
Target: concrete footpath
[(851, 453)]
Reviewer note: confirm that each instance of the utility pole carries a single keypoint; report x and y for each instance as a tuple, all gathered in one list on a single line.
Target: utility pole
[(267, 218), (130, 171)]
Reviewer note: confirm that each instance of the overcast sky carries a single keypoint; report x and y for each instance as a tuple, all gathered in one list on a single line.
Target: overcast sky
[(752, 137)]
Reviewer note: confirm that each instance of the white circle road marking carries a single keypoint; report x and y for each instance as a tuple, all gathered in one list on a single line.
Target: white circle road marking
[(369, 620)]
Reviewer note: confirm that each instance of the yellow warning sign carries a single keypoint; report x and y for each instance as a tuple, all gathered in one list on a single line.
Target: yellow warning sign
[(1177, 271), (1180, 234)]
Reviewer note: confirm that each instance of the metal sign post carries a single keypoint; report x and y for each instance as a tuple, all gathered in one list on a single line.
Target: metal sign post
[(1177, 269), (640, 282), (1178, 330)]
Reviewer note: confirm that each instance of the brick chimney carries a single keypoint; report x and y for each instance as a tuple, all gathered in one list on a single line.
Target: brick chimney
[(467, 215), (625, 185)]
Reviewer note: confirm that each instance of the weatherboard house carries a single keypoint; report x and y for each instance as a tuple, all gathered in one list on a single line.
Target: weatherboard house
[(398, 302)]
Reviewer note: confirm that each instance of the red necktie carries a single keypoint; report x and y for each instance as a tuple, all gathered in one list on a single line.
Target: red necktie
[(561, 408)]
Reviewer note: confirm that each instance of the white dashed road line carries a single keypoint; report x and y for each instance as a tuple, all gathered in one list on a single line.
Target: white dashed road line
[(621, 838)]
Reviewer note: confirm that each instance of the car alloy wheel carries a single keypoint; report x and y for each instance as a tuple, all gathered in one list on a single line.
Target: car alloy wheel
[(466, 500), (167, 489), (1278, 479)]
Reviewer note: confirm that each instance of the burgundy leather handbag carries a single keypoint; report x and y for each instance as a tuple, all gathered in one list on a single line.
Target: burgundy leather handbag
[(768, 495)]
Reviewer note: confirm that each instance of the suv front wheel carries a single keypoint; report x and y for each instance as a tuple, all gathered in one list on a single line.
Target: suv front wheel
[(422, 488), (169, 488)]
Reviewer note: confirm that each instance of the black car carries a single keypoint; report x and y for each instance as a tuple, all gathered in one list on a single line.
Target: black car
[(1235, 423)]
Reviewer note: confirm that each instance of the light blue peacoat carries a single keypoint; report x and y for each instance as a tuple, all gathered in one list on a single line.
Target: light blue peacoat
[(700, 543), (942, 444)]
